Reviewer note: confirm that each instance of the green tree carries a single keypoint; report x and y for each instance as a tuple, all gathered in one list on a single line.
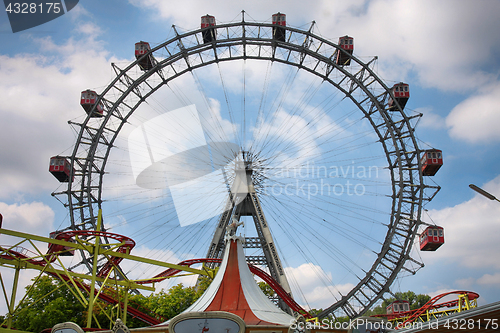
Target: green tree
[(168, 304), (51, 302), (48, 303), (174, 301), (315, 312), (266, 289)]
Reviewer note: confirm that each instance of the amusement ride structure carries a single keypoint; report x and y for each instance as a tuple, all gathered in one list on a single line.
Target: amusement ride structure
[(268, 147), (399, 313)]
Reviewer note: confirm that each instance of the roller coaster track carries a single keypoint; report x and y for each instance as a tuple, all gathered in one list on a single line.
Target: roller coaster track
[(465, 301), (127, 244), (431, 304)]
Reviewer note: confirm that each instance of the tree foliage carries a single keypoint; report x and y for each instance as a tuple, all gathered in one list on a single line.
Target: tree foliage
[(266, 289), (174, 301), (315, 312), (51, 302)]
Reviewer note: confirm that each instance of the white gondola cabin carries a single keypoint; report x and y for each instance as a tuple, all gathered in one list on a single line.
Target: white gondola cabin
[(88, 100), (279, 22), (431, 161), (208, 34), (401, 92), (346, 45), (60, 168), (432, 238), (145, 62)]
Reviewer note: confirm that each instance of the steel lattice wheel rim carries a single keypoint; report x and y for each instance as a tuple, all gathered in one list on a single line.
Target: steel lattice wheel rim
[(313, 54)]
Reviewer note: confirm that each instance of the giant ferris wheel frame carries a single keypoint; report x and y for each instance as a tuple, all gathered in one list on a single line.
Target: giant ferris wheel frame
[(304, 50)]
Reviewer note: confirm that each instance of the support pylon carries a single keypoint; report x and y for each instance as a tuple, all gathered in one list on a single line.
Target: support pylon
[(243, 201)]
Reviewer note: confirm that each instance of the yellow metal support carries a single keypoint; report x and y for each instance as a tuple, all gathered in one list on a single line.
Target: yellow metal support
[(13, 298), (79, 246), (79, 296), (94, 272), (125, 305), (102, 288), (102, 311), (41, 239), (154, 262), (4, 292), (131, 284), (465, 299), (22, 300)]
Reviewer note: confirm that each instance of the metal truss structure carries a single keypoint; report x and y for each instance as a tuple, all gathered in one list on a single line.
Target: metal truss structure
[(244, 201), (87, 288), (432, 310), (304, 50)]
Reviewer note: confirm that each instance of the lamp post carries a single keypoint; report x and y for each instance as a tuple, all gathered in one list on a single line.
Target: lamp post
[(483, 192)]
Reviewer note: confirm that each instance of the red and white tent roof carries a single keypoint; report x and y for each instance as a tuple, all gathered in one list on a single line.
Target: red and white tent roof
[(234, 290)]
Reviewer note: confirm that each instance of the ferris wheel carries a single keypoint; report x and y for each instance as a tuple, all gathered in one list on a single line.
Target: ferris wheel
[(335, 161)]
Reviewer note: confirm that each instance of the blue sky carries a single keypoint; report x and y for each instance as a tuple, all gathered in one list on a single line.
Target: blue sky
[(449, 53)]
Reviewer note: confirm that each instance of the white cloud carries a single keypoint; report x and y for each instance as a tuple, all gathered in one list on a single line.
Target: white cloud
[(428, 38), (465, 283), (41, 93), (471, 231), (486, 280), (313, 283), (33, 218), (476, 119), (89, 29), (430, 119), (489, 279), (188, 15), (441, 41)]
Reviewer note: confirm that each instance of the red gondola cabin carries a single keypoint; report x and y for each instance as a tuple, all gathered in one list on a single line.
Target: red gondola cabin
[(431, 161), (279, 22), (397, 308), (208, 34), (88, 100), (401, 92), (432, 238), (60, 168), (141, 49), (343, 57)]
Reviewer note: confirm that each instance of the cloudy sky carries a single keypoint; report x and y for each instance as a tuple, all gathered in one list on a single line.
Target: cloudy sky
[(448, 51)]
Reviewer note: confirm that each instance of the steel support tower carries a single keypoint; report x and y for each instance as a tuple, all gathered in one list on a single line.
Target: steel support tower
[(243, 201)]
